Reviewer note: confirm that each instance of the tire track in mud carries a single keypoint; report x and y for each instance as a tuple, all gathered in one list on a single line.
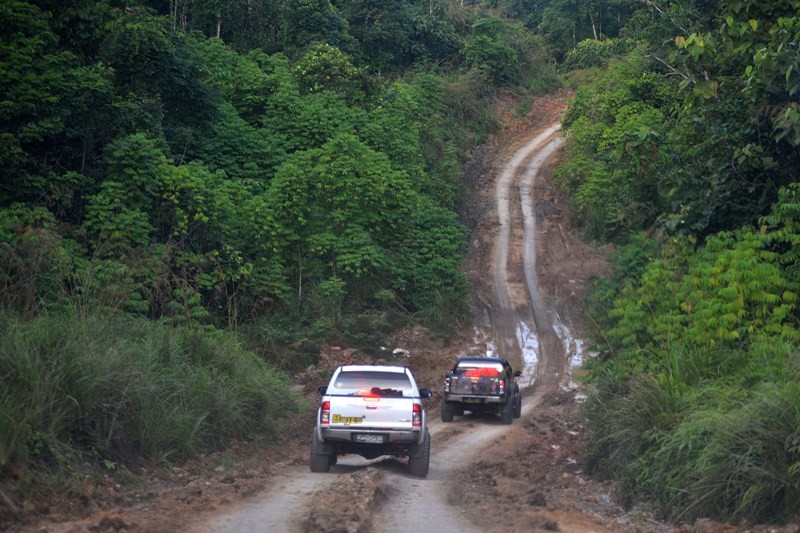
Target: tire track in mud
[(552, 363), (524, 328), (504, 317)]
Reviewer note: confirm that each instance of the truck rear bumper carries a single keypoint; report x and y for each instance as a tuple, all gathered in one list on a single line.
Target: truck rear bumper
[(469, 399), (388, 436)]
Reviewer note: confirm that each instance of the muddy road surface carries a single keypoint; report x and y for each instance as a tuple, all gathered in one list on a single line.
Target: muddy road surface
[(379, 496)]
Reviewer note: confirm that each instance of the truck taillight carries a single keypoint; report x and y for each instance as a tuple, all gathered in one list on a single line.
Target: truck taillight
[(447, 384), (502, 385), (325, 413), (416, 416)]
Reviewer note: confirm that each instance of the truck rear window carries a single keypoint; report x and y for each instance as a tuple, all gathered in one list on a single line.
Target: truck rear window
[(359, 383)]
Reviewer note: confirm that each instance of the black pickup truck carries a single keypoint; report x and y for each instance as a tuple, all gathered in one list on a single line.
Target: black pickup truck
[(482, 385)]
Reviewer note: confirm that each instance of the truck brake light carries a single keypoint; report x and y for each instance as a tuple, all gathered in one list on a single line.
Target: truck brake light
[(416, 416), (325, 413), (447, 384)]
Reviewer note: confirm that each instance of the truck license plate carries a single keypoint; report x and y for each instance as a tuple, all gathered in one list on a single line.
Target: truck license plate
[(370, 438), (473, 400)]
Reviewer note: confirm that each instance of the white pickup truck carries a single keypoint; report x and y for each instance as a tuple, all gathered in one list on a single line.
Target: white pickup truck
[(371, 410)]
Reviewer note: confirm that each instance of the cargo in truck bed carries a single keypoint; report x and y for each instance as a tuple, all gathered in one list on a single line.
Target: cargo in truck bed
[(481, 385)]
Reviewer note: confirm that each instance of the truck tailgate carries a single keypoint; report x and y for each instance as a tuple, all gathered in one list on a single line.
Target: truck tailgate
[(371, 413), (474, 385)]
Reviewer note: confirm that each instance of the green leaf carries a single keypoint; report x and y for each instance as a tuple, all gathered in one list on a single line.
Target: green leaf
[(706, 89)]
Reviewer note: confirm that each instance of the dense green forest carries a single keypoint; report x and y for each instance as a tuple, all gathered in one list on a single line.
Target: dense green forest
[(196, 194), (684, 150)]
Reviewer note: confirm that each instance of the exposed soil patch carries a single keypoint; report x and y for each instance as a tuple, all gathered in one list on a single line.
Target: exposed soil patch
[(535, 474), (358, 496)]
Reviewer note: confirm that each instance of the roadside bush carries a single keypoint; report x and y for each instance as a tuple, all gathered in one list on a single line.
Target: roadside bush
[(464, 101), (628, 263), (737, 458), (544, 80), (35, 260), (696, 406), (596, 53), (121, 388), (712, 433)]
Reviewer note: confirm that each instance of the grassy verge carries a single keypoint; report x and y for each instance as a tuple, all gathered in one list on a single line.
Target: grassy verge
[(108, 390), (699, 439)]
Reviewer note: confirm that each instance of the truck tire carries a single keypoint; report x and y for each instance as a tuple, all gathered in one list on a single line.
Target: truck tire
[(518, 404), (507, 414), (319, 462), (419, 457), (447, 411)]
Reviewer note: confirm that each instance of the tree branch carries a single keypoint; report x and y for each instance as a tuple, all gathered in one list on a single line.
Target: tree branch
[(672, 70), (653, 5)]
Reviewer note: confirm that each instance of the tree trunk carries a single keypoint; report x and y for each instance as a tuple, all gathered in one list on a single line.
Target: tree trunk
[(594, 29)]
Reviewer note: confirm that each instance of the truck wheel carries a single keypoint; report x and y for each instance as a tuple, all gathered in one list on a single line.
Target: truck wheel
[(319, 462), (420, 456), (507, 414), (518, 405), (447, 411)]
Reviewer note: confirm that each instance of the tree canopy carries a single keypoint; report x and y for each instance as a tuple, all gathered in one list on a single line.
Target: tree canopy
[(222, 161), (683, 150)]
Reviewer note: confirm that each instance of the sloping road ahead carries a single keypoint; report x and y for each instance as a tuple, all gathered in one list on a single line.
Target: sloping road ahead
[(521, 329)]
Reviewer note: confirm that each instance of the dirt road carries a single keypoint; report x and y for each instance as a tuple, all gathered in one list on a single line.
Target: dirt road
[(529, 272), (294, 502)]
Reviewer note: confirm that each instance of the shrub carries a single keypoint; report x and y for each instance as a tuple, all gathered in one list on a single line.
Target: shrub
[(596, 53), (120, 388), (712, 433)]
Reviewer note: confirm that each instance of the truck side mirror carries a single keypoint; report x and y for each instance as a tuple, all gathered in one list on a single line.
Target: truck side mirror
[(322, 390), (425, 393), (518, 373)]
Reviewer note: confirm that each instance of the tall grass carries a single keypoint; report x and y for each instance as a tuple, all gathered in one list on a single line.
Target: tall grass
[(705, 435), (119, 388), (735, 459), (446, 312)]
